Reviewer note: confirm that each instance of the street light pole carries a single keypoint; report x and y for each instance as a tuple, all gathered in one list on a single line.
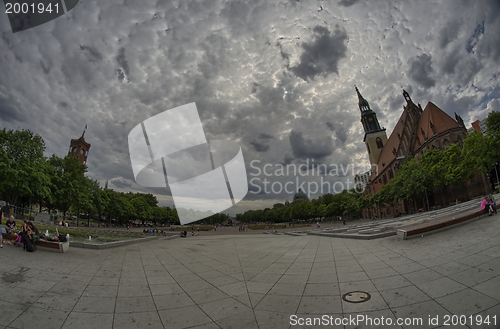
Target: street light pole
[(496, 172), (426, 198)]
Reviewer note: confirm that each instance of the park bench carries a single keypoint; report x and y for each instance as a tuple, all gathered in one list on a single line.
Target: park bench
[(416, 229), (43, 244)]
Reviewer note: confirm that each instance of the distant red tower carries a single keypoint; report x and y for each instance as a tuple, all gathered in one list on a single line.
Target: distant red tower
[(79, 148)]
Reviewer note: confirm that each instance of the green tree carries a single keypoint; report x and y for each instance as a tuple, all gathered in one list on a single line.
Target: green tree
[(23, 173), (69, 187)]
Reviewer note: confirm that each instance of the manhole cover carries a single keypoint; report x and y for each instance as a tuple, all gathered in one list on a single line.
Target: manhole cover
[(356, 297)]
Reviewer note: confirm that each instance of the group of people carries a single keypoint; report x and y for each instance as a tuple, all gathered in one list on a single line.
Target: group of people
[(489, 204), (26, 235)]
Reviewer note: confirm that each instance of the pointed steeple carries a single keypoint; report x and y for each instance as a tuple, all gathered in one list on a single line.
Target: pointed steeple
[(406, 96), (363, 103), (83, 134), (368, 116)]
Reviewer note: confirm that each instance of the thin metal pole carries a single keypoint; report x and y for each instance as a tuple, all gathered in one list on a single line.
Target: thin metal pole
[(496, 172)]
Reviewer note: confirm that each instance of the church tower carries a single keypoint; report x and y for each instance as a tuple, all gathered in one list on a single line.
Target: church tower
[(79, 148), (375, 136)]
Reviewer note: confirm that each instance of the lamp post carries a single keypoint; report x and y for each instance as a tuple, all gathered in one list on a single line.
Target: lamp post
[(426, 198), (496, 172), (491, 185)]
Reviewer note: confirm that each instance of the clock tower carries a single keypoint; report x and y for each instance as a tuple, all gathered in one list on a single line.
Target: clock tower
[(375, 136), (79, 148)]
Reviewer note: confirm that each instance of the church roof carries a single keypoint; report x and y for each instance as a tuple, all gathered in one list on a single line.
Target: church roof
[(438, 118), (387, 154), (431, 114)]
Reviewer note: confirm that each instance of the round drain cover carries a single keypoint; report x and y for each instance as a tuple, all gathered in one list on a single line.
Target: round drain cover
[(356, 297)]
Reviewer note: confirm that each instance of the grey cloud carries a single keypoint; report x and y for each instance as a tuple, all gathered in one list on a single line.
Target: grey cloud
[(262, 145), (119, 74), (339, 131), (11, 111), (121, 59), (304, 148), (397, 102), (64, 105), (489, 44), (347, 3), (450, 62), (421, 70), (259, 146), (121, 182), (322, 55), (93, 54), (266, 136), (45, 68), (330, 125), (448, 33)]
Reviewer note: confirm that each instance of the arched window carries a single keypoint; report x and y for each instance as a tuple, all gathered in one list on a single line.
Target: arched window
[(446, 143), (74, 149), (379, 143)]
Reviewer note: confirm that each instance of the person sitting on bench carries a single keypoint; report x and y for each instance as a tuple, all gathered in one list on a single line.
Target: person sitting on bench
[(487, 206), (492, 202)]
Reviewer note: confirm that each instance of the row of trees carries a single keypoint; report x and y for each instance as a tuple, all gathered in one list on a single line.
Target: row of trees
[(346, 203)]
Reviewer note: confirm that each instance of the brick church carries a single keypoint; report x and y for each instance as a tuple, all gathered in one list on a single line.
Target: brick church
[(416, 131)]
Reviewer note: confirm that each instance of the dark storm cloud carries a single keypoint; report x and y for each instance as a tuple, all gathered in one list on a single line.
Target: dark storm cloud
[(92, 53), (339, 131), (259, 146), (266, 136), (45, 68), (64, 105), (322, 55), (347, 3), (396, 103), (305, 148), (120, 75), (262, 145), (451, 62), (122, 61), (11, 111), (421, 70), (330, 125), (448, 33)]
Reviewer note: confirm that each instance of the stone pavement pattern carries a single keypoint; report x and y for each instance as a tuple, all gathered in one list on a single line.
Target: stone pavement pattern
[(254, 281)]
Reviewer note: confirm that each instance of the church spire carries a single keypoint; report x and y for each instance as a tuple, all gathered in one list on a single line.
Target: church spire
[(83, 134), (363, 103), (368, 116)]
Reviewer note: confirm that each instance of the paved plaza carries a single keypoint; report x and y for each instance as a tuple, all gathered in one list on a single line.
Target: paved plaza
[(258, 281)]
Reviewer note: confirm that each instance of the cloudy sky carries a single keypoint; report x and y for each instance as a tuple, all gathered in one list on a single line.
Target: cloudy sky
[(276, 77)]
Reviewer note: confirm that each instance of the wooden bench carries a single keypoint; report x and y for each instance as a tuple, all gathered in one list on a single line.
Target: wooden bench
[(416, 229), (43, 244)]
